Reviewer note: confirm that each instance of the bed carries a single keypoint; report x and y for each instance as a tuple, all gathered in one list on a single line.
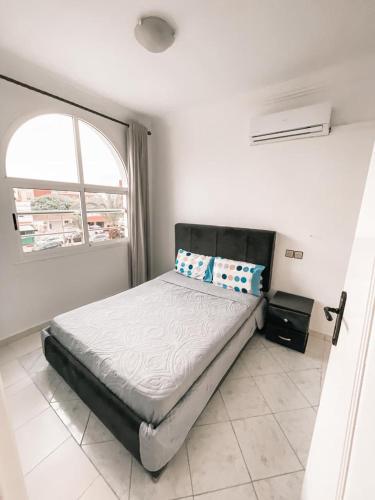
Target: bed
[(147, 360)]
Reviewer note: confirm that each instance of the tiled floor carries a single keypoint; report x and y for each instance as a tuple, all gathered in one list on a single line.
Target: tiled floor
[(251, 442)]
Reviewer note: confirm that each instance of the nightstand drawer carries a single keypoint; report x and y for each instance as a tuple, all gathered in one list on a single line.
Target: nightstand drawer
[(282, 318), (289, 338)]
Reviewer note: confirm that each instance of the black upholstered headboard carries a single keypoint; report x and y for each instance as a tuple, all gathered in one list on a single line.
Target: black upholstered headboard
[(249, 245)]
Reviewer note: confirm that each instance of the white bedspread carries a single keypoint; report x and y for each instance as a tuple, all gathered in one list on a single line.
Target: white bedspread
[(149, 344)]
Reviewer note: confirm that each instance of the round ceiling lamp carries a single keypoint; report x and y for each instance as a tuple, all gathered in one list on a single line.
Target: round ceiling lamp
[(154, 34)]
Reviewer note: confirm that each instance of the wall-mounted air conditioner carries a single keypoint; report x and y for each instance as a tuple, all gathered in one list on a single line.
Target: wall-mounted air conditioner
[(309, 121)]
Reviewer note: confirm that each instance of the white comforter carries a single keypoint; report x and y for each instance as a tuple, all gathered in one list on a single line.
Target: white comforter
[(148, 345)]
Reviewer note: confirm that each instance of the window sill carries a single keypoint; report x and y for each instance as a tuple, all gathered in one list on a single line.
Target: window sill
[(69, 252)]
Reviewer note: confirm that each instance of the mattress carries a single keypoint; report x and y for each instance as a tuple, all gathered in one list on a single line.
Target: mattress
[(149, 345)]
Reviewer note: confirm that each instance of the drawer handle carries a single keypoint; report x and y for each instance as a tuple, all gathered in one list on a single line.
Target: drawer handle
[(284, 338), (285, 320)]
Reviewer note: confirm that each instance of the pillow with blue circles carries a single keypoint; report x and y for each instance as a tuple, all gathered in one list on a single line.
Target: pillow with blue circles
[(239, 276), (194, 266)]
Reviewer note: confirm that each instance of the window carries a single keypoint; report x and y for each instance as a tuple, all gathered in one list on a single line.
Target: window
[(69, 185)]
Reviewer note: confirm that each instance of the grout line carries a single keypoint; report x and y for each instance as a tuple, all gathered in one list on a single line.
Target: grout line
[(29, 370), (298, 389), (92, 482), (255, 491), (220, 489), (54, 392), (188, 461), (84, 432), (27, 378), (31, 419), (15, 429), (102, 442), (243, 458), (49, 454), (97, 469), (238, 443), (278, 475), (290, 444), (130, 477)]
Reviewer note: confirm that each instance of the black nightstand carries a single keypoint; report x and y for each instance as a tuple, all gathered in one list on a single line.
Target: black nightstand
[(288, 320)]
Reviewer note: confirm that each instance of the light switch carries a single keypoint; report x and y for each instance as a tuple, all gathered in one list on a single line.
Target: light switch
[(289, 253), (298, 254)]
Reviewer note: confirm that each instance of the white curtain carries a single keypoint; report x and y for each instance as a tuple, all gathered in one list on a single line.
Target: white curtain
[(137, 163)]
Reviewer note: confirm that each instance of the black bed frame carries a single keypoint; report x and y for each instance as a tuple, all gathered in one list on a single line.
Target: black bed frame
[(249, 245)]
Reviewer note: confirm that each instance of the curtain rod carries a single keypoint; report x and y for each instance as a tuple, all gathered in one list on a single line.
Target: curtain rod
[(61, 99)]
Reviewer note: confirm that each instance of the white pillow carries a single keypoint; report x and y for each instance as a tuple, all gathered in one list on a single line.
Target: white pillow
[(194, 265), (239, 276)]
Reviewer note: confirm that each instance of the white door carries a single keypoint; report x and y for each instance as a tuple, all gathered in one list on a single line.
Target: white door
[(344, 431)]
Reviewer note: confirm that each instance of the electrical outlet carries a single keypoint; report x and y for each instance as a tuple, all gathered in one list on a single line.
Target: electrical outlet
[(298, 254), (289, 253)]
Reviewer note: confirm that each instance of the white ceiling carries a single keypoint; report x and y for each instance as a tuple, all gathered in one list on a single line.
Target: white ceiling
[(222, 46)]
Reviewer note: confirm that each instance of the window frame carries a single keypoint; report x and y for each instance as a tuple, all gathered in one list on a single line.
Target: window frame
[(80, 187)]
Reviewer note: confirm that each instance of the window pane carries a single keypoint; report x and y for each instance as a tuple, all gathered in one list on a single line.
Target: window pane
[(48, 219), (43, 148), (101, 163), (106, 216)]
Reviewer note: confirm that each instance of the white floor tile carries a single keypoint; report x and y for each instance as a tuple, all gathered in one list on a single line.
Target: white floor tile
[(64, 475), (99, 490), (298, 426), (113, 462), (32, 358), (243, 399), (214, 412), (27, 344), (265, 448), (243, 492), (238, 370), (260, 362), (280, 392), (287, 487), (12, 372), (96, 431), (7, 354), (75, 415), (24, 402), (316, 348), (216, 461), (215, 458), (39, 437), (35, 362), (256, 342), (174, 482), (292, 360), (47, 381), (64, 392), (309, 383)]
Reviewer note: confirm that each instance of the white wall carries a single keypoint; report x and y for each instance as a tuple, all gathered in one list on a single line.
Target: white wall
[(34, 292), (309, 191)]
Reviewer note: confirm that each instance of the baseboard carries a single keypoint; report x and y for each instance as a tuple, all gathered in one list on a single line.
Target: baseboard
[(25, 333)]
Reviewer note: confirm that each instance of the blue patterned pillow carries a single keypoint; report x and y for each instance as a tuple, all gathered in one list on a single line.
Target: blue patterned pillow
[(195, 266), (239, 276)]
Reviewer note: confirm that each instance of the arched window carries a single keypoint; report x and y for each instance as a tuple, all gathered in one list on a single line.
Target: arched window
[(69, 184)]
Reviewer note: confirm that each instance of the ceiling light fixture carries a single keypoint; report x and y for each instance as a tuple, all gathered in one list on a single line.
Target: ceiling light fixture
[(154, 33)]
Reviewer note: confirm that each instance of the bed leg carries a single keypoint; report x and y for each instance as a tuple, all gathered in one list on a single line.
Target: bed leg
[(155, 475)]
